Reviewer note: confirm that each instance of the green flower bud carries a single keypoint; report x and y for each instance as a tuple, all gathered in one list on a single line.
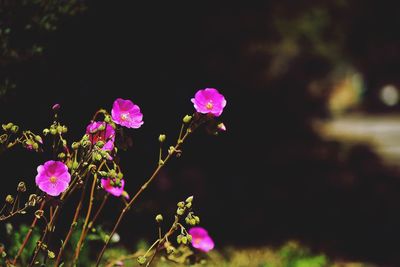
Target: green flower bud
[(170, 249), (141, 260), (197, 219), (180, 211), (189, 199), (120, 175), (60, 129), (21, 187), (85, 137), (96, 156), (192, 222), (184, 240), (189, 237), (102, 127), (181, 204), (107, 118), (64, 129), (171, 150), (75, 165), (9, 199), (53, 131), (159, 218), (179, 239), (162, 137), (102, 173), (32, 200), (14, 129), (188, 205), (39, 139), (75, 145), (100, 144), (187, 220), (61, 155), (51, 254), (187, 119), (112, 174), (35, 146), (46, 131), (7, 126)]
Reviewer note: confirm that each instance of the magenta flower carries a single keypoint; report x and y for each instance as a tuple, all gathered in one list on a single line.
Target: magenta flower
[(200, 239), (107, 135), (113, 190), (53, 177), (127, 114), (208, 101)]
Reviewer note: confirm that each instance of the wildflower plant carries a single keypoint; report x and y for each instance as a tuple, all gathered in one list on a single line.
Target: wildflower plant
[(89, 168)]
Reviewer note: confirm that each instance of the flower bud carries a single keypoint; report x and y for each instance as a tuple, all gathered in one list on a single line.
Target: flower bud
[(180, 211), (197, 219), (53, 131), (100, 144), (161, 138), (75, 165), (179, 239), (102, 173), (189, 199), (32, 200), (159, 218), (59, 129), (7, 126), (3, 138), (181, 204), (46, 131), (39, 214), (141, 260), (64, 129), (61, 155), (35, 146), (39, 139), (56, 107), (184, 240), (170, 249), (9, 199), (107, 118), (21, 187), (189, 237), (14, 129), (188, 205), (221, 127), (187, 119), (75, 145), (171, 150)]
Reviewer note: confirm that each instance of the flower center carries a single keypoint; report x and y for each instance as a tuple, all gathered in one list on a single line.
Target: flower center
[(124, 116), (209, 105), (196, 241), (53, 179)]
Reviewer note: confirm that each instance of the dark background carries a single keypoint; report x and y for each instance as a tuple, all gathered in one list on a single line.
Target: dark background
[(270, 177)]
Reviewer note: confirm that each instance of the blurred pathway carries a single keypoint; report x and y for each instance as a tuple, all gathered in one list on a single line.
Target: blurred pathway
[(382, 132)]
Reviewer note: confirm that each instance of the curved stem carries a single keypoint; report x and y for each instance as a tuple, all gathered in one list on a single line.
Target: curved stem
[(142, 188)]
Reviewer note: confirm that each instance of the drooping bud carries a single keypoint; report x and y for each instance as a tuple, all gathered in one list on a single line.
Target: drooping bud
[(161, 138), (14, 129), (159, 218), (39, 214), (9, 199), (21, 187), (187, 119), (141, 260), (189, 199)]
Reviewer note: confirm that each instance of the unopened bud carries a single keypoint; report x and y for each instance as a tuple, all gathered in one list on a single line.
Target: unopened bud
[(64, 129), (53, 131), (189, 199), (141, 260), (7, 126), (9, 199), (187, 119), (107, 119), (61, 155), (35, 146), (39, 214), (189, 237), (221, 127), (21, 187), (180, 211), (181, 204), (184, 240), (100, 144), (188, 205), (56, 107), (46, 131), (161, 138), (159, 218), (14, 129), (75, 145)]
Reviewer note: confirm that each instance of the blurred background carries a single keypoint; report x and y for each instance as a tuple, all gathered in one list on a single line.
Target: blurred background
[(312, 148)]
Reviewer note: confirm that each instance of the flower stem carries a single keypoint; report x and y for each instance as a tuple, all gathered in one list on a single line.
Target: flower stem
[(72, 227), (83, 233), (142, 188), (28, 235)]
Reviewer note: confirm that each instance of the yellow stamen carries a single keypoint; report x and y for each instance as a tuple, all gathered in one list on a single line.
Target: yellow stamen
[(53, 179), (209, 105), (124, 117)]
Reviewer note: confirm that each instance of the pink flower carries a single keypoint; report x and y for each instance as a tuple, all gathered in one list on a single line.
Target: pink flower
[(53, 177), (200, 239), (127, 114), (210, 101), (113, 190), (107, 135)]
